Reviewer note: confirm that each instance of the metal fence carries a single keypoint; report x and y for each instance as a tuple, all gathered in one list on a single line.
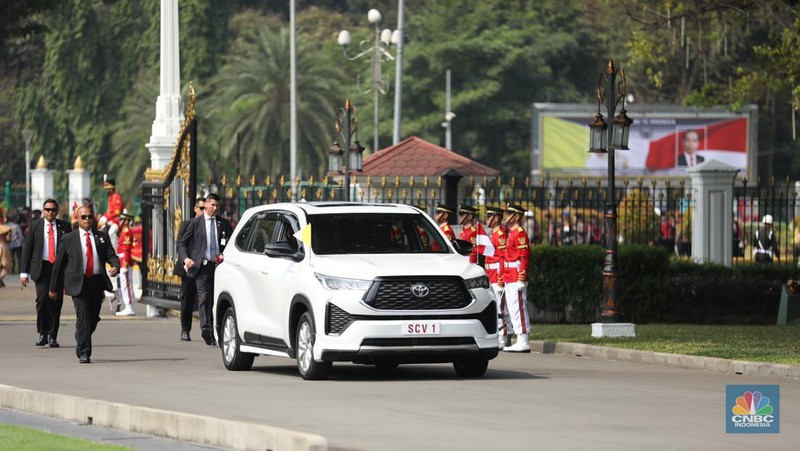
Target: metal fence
[(562, 211)]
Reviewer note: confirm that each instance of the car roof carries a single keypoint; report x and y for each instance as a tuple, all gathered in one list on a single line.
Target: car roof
[(315, 208)]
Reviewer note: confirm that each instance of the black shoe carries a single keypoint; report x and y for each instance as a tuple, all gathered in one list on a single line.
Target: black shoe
[(84, 359), (185, 336), (213, 342), (53, 343), (208, 336), (42, 340)]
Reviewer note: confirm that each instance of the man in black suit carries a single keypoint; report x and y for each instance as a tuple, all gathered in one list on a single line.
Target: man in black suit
[(80, 271), (691, 144), (188, 288), (200, 249), (38, 256)]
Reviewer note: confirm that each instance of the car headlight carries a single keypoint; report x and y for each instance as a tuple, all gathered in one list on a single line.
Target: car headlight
[(340, 283), (477, 282)]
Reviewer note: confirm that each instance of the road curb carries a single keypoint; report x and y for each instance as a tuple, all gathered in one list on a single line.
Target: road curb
[(162, 423), (673, 360)]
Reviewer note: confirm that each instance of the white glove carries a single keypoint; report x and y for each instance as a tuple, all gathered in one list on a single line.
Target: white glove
[(123, 270)]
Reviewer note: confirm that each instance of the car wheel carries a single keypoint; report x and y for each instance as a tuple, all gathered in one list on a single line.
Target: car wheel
[(232, 356), (471, 366), (309, 368)]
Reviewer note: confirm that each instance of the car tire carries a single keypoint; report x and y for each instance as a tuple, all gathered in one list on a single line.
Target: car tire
[(471, 366), (306, 337), (232, 356)]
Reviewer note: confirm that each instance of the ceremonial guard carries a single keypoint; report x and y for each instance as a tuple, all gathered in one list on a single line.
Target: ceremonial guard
[(466, 216), (125, 265), (494, 269), (515, 277), (110, 219), (441, 216)]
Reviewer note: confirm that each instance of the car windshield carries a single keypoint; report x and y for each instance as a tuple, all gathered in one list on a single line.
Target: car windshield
[(374, 233)]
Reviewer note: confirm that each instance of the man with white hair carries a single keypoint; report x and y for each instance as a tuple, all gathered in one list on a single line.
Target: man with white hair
[(766, 243)]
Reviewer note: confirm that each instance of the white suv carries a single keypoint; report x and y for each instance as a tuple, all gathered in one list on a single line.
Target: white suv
[(367, 283)]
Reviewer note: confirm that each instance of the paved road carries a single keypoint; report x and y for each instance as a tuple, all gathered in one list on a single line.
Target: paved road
[(524, 402)]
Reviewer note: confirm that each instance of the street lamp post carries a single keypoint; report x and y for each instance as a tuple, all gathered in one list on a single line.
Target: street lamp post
[(607, 137), (27, 135), (383, 40), (351, 157)]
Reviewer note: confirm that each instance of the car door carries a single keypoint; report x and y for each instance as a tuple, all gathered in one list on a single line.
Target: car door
[(256, 325), (268, 274)]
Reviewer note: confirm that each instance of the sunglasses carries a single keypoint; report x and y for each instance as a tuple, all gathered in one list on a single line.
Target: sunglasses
[(201, 208), (85, 217), (50, 210)]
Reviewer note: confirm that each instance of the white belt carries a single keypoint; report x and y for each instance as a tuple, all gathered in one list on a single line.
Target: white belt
[(764, 251), (514, 265), (493, 266)]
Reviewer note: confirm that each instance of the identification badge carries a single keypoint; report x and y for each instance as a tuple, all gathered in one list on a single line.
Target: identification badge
[(222, 242)]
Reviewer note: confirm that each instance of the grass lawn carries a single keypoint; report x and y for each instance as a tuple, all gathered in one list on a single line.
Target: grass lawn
[(773, 344), (19, 438)]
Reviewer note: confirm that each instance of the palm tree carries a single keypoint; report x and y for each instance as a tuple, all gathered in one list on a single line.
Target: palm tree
[(251, 97)]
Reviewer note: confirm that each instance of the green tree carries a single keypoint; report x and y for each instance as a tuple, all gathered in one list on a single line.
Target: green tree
[(250, 96), (503, 56)]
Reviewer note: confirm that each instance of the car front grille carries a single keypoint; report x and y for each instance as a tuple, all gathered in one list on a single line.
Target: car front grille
[(337, 319), (397, 293)]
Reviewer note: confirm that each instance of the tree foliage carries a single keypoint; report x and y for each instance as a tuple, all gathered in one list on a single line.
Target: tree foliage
[(83, 74)]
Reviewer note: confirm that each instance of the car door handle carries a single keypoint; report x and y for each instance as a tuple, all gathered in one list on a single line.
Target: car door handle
[(234, 263), (265, 271)]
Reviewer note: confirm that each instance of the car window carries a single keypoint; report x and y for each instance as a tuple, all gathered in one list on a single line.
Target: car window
[(244, 235), (263, 233), (374, 234), (288, 226)]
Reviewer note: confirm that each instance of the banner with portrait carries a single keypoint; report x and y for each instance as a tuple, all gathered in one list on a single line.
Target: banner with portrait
[(664, 141)]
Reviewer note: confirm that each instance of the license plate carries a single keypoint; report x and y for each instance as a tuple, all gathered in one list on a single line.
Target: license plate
[(422, 328)]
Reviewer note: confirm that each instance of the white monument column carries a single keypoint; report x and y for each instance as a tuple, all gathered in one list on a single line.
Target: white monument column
[(169, 116), (41, 184), (78, 184)]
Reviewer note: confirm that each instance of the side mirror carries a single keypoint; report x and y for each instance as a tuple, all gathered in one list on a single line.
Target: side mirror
[(283, 249), (463, 247)]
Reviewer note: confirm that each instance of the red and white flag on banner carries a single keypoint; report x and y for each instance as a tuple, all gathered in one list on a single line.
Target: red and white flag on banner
[(728, 136), (483, 243)]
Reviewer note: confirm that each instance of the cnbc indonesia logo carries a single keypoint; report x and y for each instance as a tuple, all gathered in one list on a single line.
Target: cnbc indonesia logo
[(752, 410)]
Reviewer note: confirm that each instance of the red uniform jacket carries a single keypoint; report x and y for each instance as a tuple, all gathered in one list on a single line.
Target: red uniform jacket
[(115, 207), (517, 255), (494, 264), (124, 248), (470, 233)]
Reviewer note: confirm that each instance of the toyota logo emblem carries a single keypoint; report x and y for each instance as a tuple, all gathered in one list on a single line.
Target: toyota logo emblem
[(420, 290)]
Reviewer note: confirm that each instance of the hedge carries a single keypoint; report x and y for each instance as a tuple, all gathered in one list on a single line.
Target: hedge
[(565, 283)]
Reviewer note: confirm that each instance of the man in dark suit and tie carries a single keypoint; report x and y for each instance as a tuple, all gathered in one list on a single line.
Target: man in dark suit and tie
[(38, 256), (200, 249), (188, 288), (691, 144), (80, 271)]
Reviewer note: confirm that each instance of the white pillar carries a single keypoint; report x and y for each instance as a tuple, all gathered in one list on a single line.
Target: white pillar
[(712, 218), (41, 184), (78, 184), (169, 116)]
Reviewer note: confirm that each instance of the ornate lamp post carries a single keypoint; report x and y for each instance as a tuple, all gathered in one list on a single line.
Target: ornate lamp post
[(351, 157), (607, 138), (383, 40)]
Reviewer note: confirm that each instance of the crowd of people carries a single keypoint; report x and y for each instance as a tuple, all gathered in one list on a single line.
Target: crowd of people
[(81, 256)]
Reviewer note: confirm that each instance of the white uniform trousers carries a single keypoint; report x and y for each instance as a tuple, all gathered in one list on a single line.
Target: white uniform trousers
[(126, 287), (503, 326), (516, 302)]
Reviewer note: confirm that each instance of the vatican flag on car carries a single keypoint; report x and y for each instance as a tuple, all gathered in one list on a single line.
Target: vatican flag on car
[(304, 235)]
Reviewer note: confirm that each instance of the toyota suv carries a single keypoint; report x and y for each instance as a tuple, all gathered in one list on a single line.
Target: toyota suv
[(374, 284)]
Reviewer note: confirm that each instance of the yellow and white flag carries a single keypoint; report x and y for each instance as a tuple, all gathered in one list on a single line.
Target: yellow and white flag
[(304, 235)]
